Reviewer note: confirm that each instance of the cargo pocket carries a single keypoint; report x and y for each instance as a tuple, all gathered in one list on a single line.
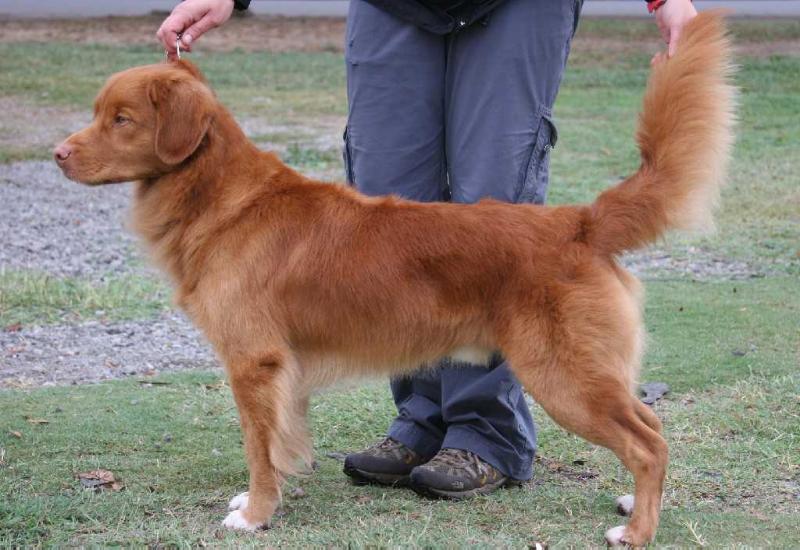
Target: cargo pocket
[(535, 180), (347, 157)]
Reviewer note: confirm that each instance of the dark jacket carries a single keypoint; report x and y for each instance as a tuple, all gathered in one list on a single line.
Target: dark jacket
[(438, 16)]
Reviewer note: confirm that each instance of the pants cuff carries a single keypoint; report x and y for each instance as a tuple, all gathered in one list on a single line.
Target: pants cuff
[(415, 438)]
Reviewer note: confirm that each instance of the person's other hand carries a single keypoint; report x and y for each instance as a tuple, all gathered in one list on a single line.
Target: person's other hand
[(671, 18), (191, 19)]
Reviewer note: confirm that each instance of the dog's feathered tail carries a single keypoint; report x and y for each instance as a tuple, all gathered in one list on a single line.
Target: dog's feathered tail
[(685, 135)]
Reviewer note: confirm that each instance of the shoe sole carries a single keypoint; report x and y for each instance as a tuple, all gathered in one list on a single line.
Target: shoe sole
[(432, 492), (363, 477)]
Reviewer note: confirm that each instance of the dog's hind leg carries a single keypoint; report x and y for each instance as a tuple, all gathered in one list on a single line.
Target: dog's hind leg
[(594, 402), (274, 436)]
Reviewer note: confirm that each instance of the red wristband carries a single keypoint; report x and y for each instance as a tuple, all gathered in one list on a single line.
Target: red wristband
[(653, 5)]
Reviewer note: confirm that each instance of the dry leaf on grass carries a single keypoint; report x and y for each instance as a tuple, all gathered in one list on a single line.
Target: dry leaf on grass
[(33, 420), (16, 434), (218, 385), (97, 480)]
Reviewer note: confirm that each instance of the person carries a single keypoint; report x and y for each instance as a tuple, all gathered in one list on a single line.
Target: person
[(448, 100)]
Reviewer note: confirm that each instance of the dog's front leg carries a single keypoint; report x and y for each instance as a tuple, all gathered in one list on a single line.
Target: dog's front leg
[(262, 397)]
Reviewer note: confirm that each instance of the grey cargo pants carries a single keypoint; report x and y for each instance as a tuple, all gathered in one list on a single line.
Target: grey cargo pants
[(458, 117)]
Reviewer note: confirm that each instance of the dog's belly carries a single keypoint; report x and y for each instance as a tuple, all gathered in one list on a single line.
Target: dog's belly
[(472, 355)]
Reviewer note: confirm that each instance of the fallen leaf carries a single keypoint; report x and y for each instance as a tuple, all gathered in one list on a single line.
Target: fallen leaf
[(363, 499), (32, 420), (14, 327), (218, 385), (97, 480), (653, 391), (16, 434)]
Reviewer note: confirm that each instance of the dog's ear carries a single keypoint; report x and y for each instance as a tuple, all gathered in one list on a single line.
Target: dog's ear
[(184, 110)]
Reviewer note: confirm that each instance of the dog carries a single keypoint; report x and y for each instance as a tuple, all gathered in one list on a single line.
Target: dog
[(298, 283)]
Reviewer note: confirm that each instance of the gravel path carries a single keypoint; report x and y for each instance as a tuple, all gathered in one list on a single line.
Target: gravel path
[(94, 351), (49, 224), (52, 225)]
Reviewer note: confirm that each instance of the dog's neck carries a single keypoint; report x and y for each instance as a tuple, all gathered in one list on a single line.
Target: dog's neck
[(176, 212)]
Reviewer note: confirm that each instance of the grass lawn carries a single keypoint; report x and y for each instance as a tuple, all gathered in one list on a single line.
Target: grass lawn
[(730, 350)]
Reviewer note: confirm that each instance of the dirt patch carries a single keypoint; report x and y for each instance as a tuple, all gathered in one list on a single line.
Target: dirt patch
[(249, 33), (692, 262), (24, 125), (324, 34)]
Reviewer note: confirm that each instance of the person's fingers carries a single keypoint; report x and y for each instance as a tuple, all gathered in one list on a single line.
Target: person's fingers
[(674, 35), (172, 27), (194, 32), (186, 42)]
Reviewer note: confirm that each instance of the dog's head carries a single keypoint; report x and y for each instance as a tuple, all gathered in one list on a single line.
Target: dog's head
[(147, 121)]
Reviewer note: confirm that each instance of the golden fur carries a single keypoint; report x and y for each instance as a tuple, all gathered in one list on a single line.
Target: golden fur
[(298, 283)]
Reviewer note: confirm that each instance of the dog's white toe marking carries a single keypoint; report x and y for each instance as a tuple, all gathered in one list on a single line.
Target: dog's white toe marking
[(615, 536), (239, 502), (625, 505), (235, 520)]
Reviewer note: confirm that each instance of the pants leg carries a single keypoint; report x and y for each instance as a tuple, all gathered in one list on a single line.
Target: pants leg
[(502, 80), (394, 144), (402, 94), (501, 83), (394, 141)]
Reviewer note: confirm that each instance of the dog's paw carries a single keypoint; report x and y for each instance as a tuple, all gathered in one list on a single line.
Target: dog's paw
[(625, 505), (616, 536), (239, 502), (236, 520)]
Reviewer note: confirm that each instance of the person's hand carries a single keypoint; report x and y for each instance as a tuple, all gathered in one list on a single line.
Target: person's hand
[(671, 18), (191, 19)]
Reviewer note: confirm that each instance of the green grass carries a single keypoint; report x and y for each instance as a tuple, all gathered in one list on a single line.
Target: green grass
[(733, 423), (18, 154), (27, 297), (283, 86), (729, 350)]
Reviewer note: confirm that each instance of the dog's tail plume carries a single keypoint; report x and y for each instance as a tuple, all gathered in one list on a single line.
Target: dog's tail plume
[(685, 135)]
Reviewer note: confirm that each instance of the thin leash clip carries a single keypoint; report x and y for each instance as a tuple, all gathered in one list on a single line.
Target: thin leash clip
[(177, 49)]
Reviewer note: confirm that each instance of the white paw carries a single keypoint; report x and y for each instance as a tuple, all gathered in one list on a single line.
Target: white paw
[(239, 502), (615, 536), (625, 505), (235, 520)]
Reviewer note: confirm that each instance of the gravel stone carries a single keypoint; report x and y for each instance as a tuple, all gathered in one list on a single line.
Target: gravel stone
[(53, 225), (94, 351)]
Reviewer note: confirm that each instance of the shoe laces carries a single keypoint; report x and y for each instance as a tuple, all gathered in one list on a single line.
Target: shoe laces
[(459, 458)]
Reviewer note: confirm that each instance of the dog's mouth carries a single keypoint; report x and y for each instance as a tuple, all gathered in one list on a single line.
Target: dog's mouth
[(91, 179)]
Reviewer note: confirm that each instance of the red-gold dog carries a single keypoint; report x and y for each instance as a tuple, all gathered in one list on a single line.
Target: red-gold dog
[(298, 283)]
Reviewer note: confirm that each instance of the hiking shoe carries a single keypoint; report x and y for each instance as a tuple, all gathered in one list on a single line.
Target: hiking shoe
[(388, 463), (457, 474)]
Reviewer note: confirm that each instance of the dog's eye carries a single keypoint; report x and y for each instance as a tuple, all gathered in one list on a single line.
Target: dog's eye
[(120, 120)]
